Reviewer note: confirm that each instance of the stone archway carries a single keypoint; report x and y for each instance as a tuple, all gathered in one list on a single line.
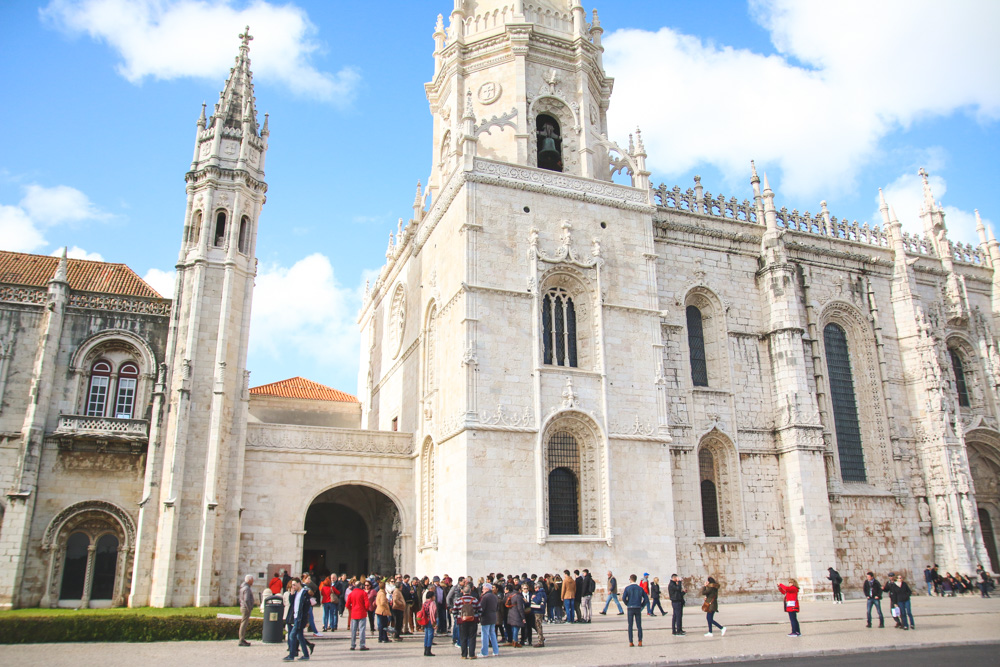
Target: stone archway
[(984, 464), (352, 529)]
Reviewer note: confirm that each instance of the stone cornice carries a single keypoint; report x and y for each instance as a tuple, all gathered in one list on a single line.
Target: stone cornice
[(286, 437)]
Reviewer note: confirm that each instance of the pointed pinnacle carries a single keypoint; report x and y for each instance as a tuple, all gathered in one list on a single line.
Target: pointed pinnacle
[(201, 119), (753, 170), (979, 221), (892, 214), (60, 274), (264, 131), (767, 186), (881, 198), (990, 231)]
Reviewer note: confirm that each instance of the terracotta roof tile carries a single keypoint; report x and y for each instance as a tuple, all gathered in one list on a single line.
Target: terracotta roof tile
[(84, 275), (299, 387)]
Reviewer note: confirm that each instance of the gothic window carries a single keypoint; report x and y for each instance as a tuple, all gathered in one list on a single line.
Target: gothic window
[(696, 347), (75, 567), (558, 328), (219, 239), (845, 407), (430, 352), (709, 494), (549, 143), (128, 377), (989, 539), (105, 566), (195, 227), (244, 240), (564, 491), (97, 394), (397, 320), (959, 368)]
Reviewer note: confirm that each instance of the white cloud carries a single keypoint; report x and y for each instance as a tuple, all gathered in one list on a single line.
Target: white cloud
[(906, 197), (22, 226), (168, 39), (18, 232), (161, 281), (304, 307), (59, 204), (76, 252), (848, 74)]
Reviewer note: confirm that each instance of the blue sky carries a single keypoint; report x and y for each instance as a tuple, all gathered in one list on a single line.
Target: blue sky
[(832, 100)]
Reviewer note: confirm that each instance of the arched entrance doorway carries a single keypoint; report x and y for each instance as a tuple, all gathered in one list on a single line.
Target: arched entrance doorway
[(984, 463), (351, 529)]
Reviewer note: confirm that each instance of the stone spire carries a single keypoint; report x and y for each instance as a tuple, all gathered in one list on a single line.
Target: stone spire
[(238, 91)]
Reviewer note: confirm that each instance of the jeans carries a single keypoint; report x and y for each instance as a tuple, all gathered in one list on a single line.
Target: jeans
[(878, 607), (467, 638), (793, 616), (454, 633), (296, 640), (329, 615), (568, 606), (710, 616), (383, 623), (514, 630), (358, 625), (634, 616), (930, 588), (312, 621), (585, 608), (489, 632), (607, 603), (656, 605), (428, 635), (906, 614), (677, 622)]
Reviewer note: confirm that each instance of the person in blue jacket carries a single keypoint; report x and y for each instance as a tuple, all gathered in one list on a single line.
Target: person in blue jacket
[(635, 600)]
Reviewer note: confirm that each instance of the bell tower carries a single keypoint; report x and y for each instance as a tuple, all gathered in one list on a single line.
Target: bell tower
[(189, 522), (529, 76)]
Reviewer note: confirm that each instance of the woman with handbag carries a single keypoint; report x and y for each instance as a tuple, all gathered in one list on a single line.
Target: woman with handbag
[(515, 614), (791, 593), (710, 591)]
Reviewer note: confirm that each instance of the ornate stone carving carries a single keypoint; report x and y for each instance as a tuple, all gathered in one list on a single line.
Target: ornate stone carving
[(489, 92), (507, 416), (315, 438)]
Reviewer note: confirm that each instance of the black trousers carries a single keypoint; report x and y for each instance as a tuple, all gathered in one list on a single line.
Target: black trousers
[(677, 622), (397, 622), (467, 638)]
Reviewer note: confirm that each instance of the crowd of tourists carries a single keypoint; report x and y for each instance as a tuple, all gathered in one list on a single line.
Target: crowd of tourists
[(512, 610), (949, 585)]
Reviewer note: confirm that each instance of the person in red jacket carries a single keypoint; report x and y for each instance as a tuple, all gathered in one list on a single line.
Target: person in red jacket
[(357, 607), (275, 584), (791, 592)]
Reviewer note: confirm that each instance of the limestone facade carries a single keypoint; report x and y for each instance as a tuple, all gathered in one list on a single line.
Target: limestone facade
[(561, 364)]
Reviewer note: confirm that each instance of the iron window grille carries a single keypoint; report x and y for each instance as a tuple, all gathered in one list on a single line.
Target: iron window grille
[(564, 488)]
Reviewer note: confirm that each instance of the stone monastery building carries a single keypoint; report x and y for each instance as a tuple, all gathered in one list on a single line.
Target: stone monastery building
[(557, 370)]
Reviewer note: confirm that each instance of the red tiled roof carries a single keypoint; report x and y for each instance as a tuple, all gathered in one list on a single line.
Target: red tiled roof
[(84, 275), (299, 387)]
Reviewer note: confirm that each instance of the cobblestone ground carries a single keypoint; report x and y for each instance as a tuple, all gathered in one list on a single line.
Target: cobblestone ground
[(754, 630)]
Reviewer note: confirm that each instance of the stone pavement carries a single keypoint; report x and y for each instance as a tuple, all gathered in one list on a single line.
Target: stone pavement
[(755, 630)]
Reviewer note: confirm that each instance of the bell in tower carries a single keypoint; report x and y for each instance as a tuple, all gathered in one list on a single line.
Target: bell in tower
[(549, 143)]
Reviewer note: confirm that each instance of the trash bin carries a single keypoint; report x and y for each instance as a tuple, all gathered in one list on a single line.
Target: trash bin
[(274, 615)]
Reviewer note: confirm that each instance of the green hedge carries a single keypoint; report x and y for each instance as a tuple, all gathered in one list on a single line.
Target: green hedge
[(132, 628)]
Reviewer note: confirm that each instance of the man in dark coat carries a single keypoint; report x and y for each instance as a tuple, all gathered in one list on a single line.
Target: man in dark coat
[(676, 592), (578, 596), (587, 596), (835, 581), (489, 606), (873, 592), (300, 608)]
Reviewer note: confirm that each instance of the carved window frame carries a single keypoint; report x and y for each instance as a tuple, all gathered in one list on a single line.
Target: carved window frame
[(872, 412), (397, 320), (725, 475), (715, 338), (557, 108), (577, 287), (118, 348), (591, 479), (973, 375), (94, 518)]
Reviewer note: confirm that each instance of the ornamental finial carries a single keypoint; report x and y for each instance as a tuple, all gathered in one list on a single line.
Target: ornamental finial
[(246, 37)]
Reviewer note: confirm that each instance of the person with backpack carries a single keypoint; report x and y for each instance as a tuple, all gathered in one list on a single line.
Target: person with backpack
[(791, 593), (427, 619), (835, 580), (465, 613), (710, 591), (489, 617)]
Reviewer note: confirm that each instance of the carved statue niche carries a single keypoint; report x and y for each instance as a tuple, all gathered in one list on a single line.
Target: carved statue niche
[(549, 143)]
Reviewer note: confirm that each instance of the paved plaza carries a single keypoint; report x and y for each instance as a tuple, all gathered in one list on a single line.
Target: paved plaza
[(755, 629)]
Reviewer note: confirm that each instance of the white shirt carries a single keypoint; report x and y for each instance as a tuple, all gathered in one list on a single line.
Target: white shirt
[(298, 598)]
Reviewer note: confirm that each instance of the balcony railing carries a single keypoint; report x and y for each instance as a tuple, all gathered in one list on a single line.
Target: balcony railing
[(102, 428)]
